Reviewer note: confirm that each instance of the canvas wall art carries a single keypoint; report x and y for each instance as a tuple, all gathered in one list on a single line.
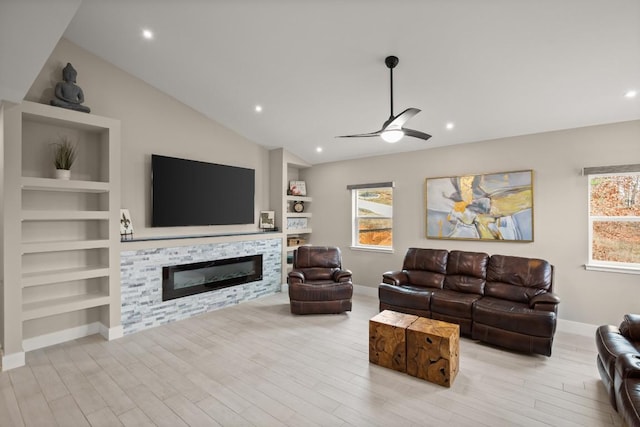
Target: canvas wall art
[(488, 207)]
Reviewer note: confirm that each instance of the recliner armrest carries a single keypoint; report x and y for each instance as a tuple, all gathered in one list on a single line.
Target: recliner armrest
[(395, 278), (295, 276), (342, 275), (630, 327), (545, 301), (627, 366)]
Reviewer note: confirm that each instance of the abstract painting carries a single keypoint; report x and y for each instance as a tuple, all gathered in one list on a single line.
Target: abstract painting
[(488, 207)]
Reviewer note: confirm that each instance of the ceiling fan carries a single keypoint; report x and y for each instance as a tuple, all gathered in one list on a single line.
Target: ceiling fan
[(393, 129)]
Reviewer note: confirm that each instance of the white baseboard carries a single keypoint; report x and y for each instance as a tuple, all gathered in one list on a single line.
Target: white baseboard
[(578, 328), (111, 333), (369, 291), (13, 360), (58, 337)]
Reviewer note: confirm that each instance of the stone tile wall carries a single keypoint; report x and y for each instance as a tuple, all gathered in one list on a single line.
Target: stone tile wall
[(141, 276)]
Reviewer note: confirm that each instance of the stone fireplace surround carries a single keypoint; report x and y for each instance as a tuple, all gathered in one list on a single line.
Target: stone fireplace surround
[(141, 277)]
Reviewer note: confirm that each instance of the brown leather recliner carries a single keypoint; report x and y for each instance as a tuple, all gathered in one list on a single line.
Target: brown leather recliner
[(317, 283), (618, 363)]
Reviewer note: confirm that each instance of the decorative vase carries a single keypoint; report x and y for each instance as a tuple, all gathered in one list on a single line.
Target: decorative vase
[(63, 174)]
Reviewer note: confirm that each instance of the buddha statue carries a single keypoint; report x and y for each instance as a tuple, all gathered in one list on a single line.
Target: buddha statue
[(68, 94)]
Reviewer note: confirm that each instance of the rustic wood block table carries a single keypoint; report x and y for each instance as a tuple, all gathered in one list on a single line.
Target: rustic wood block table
[(432, 350), (387, 339)]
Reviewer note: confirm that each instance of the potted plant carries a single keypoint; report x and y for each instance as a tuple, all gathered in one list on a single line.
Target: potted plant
[(64, 154)]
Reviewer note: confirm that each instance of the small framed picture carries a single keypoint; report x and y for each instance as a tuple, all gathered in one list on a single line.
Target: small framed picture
[(267, 220), (126, 226), (298, 188)]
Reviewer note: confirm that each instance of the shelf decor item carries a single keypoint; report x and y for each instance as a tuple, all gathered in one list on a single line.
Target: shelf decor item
[(298, 206), (297, 223), (126, 226), (488, 207), (67, 93), (64, 154), (298, 188), (267, 220)]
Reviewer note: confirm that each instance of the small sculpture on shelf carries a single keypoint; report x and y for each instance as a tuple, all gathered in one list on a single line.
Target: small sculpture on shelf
[(68, 94), (126, 226)]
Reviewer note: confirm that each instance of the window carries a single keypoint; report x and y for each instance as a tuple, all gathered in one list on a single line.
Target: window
[(614, 220), (372, 216)]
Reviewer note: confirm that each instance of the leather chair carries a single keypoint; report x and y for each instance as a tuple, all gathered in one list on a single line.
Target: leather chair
[(618, 363), (317, 282)]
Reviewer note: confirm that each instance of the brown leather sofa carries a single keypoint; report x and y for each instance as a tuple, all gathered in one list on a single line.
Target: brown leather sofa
[(502, 300), (618, 362), (317, 283)]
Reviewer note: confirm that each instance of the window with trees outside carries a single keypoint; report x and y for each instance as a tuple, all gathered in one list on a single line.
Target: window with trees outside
[(614, 220), (372, 216)]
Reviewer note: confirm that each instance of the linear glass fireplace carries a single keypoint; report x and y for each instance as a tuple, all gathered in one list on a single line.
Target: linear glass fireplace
[(189, 279)]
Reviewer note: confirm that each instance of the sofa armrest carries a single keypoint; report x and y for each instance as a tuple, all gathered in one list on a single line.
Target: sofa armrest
[(342, 275), (295, 276), (547, 301), (395, 278), (627, 366), (630, 327)]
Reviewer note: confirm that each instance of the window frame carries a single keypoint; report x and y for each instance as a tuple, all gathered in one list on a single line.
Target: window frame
[(600, 265), (355, 232)]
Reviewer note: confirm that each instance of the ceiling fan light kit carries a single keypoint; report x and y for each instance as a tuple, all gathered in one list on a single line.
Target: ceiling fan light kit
[(393, 129), (392, 136)]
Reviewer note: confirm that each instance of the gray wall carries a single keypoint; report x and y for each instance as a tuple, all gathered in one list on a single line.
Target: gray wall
[(560, 208), (152, 123)]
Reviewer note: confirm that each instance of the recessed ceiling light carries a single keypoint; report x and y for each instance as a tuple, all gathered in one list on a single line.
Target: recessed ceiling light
[(450, 125), (258, 108), (147, 34), (319, 149), (630, 94)]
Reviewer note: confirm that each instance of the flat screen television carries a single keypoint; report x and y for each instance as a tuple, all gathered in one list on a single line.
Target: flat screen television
[(190, 192)]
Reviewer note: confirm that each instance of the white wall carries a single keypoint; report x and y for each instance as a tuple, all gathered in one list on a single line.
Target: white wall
[(560, 208), (152, 122)]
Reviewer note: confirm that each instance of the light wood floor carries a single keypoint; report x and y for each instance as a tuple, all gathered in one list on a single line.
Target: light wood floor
[(256, 364)]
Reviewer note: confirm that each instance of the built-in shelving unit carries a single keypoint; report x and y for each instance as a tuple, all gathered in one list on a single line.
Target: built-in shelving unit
[(286, 167), (61, 257)]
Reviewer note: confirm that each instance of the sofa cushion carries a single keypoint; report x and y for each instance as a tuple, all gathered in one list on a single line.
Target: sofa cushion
[(453, 303), (409, 296), (433, 260), (321, 291), (517, 279), (513, 316), (466, 272), (425, 278)]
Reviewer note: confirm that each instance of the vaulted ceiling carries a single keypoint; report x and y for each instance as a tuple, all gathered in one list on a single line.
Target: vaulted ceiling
[(492, 68)]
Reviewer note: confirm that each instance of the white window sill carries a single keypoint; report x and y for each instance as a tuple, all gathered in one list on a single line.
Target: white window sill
[(372, 249), (612, 268)]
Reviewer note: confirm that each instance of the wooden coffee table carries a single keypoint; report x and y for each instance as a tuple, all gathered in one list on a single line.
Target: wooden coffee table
[(425, 348), (433, 349), (387, 339)]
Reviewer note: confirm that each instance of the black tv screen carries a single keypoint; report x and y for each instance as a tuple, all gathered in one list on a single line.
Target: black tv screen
[(190, 192)]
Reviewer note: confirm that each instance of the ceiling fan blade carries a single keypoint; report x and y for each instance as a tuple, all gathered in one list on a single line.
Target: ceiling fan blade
[(416, 134), (398, 121), (361, 135)]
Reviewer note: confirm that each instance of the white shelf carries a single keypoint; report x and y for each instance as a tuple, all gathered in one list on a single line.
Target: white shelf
[(298, 214), (39, 309), (299, 198), (50, 184), (298, 230), (37, 247), (63, 275), (46, 215)]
